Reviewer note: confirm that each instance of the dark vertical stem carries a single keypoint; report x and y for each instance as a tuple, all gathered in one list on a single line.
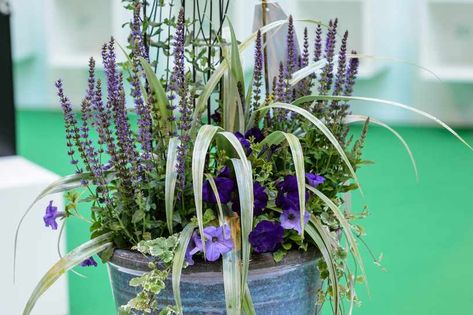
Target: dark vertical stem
[(194, 38), (209, 58), (264, 7)]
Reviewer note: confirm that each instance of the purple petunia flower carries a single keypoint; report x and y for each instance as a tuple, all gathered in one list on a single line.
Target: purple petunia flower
[(225, 186), (217, 242), (291, 219), (288, 194), (254, 133), (192, 249), (244, 142), (260, 200), (89, 262), (314, 179), (266, 237), (51, 215)]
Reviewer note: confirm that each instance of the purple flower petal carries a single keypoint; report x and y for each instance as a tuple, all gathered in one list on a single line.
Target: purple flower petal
[(266, 237), (291, 219), (50, 216), (314, 179), (89, 262)]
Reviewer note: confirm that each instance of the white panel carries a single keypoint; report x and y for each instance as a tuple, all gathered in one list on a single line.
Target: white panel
[(447, 39), (20, 182)]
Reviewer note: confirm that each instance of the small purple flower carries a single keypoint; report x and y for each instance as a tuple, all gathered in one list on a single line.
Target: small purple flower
[(244, 142), (314, 179), (51, 215), (266, 237), (192, 249), (225, 186), (260, 200), (291, 219), (288, 193), (254, 133), (217, 242), (89, 262)]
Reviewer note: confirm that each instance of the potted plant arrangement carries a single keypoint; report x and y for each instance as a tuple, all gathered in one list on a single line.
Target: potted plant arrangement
[(218, 193)]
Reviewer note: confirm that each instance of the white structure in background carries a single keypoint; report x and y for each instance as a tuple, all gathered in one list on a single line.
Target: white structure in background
[(354, 15), (446, 39), (76, 30), (20, 182)]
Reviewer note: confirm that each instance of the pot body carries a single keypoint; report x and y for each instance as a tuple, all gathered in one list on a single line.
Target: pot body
[(284, 288)]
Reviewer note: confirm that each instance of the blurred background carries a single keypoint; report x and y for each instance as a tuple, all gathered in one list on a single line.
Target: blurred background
[(422, 57)]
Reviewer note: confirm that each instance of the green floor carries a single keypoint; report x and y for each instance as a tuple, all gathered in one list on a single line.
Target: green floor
[(423, 229)]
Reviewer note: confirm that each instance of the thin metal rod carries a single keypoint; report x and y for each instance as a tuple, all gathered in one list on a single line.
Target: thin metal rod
[(264, 7)]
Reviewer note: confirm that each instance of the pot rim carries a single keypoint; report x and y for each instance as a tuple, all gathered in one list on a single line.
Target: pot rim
[(138, 262)]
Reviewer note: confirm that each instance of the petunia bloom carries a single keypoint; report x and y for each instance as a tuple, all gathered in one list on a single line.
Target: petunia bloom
[(244, 142), (314, 179), (260, 200), (218, 241), (288, 193), (89, 262), (254, 133), (266, 237), (291, 219), (51, 215), (225, 187), (192, 249)]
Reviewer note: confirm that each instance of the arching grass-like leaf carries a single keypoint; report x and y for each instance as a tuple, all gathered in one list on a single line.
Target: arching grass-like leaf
[(63, 184), (161, 102), (235, 64), (221, 218), (201, 146), (353, 246), (298, 160), (328, 258), (385, 102), (315, 67), (247, 304), (201, 105), (321, 126), (232, 272), (360, 118), (170, 181), (178, 263), (72, 259)]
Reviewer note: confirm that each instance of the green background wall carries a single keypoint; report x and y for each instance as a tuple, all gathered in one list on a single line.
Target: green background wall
[(423, 229)]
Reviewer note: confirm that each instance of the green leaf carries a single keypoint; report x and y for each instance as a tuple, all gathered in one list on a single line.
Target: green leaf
[(178, 263), (385, 102), (298, 160), (170, 180), (201, 105), (327, 256), (63, 184), (161, 100), (235, 64), (357, 118), (232, 273), (72, 259), (323, 128), (201, 146), (345, 226), (211, 180), (247, 304)]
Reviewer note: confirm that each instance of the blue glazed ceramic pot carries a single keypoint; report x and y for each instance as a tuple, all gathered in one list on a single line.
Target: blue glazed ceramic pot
[(284, 288)]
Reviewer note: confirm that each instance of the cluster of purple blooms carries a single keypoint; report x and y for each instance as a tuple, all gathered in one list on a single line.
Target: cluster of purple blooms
[(267, 236)]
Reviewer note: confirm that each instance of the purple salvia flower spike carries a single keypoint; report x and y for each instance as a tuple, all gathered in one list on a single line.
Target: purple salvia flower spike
[(305, 51), (350, 76), (318, 43), (138, 40), (341, 69), (327, 72), (70, 123), (291, 47), (258, 71)]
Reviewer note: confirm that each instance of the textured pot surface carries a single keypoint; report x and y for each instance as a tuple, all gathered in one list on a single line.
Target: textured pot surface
[(284, 288)]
